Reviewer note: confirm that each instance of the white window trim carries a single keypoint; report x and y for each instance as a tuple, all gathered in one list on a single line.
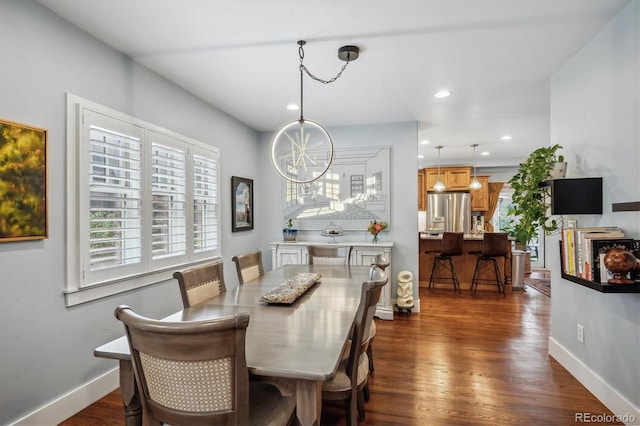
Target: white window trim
[(75, 293)]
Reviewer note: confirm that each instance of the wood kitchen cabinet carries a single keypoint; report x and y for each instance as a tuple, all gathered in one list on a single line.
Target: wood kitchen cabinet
[(422, 191), (454, 178), (480, 197)]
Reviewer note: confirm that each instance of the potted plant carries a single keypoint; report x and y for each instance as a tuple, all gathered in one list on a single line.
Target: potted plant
[(288, 233), (528, 202)]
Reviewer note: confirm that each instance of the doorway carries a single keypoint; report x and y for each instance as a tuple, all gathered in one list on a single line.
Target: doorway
[(500, 221)]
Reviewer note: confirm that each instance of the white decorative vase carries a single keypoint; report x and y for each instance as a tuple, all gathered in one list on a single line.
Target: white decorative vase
[(559, 170)]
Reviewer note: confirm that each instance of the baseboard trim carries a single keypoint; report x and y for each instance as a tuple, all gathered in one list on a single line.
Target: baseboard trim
[(73, 402), (617, 403)]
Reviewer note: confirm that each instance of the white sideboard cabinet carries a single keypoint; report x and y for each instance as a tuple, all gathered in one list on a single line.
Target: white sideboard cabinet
[(295, 252)]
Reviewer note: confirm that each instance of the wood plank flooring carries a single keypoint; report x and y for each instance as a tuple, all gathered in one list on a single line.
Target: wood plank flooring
[(463, 360)]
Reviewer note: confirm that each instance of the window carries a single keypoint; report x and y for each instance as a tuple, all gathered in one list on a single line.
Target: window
[(144, 202)]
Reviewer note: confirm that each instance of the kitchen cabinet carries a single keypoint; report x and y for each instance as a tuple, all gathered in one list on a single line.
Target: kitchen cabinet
[(454, 178), (480, 197), (422, 192)]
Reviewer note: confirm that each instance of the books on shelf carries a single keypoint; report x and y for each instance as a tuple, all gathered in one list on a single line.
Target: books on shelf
[(581, 249)]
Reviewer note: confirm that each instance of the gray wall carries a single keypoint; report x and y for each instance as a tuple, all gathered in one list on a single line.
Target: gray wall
[(595, 112), (402, 139), (46, 348)]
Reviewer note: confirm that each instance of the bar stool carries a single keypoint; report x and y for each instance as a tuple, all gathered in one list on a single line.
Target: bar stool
[(452, 243), (494, 245)]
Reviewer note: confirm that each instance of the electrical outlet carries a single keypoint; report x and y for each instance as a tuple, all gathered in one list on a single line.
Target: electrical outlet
[(580, 333)]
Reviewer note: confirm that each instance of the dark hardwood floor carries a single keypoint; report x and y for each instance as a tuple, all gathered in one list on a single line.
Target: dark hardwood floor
[(463, 360)]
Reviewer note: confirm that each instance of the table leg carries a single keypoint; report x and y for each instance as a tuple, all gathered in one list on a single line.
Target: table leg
[(309, 402), (129, 394)]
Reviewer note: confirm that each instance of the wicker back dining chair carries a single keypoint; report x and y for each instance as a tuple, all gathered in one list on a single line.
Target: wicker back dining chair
[(249, 266), (200, 283), (349, 382), (195, 372), (329, 255)]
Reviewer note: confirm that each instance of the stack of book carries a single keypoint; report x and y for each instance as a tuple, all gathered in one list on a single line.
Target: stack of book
[(583, 251)]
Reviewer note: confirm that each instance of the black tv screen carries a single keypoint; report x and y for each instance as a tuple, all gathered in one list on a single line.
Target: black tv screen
[(576, 196)]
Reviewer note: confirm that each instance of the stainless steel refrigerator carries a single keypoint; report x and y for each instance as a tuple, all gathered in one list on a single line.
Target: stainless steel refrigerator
[(449, 212)]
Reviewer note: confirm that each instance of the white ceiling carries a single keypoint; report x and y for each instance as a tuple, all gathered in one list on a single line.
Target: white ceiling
[(496, 56)]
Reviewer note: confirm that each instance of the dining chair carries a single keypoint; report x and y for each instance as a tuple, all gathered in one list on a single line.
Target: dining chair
[(494, 245), (195, 372), (349, 382), (382, 262), (329, 255), (200, 283), (249, 266)]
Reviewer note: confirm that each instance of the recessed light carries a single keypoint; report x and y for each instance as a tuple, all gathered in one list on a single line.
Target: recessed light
[(420, 156), (424, 142), (485, 153), (293, 107), (443, 94), (506, 138)]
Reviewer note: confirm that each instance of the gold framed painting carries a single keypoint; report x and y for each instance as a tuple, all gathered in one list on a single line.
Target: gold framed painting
[(23, 182)]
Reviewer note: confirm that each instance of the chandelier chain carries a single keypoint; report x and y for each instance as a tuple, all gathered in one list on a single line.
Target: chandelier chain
[(313, 77)]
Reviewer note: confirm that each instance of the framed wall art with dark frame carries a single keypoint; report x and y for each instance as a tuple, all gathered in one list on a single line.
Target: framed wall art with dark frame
[(23, 182), (241, 204)]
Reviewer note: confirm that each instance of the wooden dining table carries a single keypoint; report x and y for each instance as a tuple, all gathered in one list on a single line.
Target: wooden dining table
[(302, 341)]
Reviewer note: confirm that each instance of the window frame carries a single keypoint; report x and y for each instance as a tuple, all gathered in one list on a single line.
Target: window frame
[(79, 289)]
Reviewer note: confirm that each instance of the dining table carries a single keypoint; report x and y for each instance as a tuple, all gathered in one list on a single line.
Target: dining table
[(302, 341)]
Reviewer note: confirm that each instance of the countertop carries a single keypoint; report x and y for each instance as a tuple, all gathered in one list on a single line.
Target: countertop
[(427, 236)]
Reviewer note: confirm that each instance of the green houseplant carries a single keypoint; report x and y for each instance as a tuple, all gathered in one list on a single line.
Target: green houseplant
[(288, 233), (528, 203)]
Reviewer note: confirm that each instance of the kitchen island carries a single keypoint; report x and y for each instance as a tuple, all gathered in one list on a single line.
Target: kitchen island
[(465, 264)]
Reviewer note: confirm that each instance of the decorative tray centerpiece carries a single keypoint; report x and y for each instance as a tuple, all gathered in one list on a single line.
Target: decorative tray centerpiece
[(332, 231), (289, 291)]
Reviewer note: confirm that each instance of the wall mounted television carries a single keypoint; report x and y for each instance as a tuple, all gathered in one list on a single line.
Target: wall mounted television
[(576, 196)]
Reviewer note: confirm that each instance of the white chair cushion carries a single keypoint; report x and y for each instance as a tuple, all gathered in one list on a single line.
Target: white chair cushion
[(341, 381)]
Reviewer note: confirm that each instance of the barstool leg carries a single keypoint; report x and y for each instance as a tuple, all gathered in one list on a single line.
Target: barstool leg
[(456, 283), (432, 283), (474, 280), (501, 286)]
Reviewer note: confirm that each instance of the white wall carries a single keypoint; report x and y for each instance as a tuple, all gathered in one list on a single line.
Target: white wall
[(595, 112), (46, 349), (402, 140)]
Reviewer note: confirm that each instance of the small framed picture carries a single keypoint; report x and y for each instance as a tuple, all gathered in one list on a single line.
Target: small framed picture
[(241, 204)]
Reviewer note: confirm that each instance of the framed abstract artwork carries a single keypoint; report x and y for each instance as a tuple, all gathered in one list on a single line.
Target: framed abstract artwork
[(241, 204), (23, 182)]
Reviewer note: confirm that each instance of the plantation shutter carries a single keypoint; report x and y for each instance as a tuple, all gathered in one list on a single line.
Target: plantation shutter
[(115, 223), (169, 200), (205, 201)]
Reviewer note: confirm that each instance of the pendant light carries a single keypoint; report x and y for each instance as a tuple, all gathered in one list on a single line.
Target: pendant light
[(439, 186), (302, 150), (475, 183)]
